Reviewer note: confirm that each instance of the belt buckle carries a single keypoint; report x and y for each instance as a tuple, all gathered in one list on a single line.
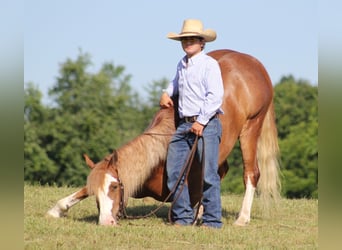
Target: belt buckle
[(190, 118)]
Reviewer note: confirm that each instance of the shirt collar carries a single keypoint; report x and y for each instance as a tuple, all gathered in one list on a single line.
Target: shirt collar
[(193, 60)]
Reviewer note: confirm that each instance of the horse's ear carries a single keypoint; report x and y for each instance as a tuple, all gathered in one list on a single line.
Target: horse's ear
[(114, 157), (89, 162)]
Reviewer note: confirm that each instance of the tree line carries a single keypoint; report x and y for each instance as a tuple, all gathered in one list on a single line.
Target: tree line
[(94, 113)]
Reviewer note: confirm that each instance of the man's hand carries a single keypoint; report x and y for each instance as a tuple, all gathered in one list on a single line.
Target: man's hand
[(197, 128), (165, 101)]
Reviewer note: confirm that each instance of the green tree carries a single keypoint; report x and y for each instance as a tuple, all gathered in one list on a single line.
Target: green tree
[(38, 167), (293, 103), (93, 113), (296, 105), (154, 90)]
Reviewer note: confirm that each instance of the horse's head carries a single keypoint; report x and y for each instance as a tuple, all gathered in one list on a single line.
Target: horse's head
[(103, 182)]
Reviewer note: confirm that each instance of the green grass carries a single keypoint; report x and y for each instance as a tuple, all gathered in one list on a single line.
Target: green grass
[(294, 225)]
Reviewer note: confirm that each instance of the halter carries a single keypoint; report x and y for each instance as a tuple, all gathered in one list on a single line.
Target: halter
[(122, 209)]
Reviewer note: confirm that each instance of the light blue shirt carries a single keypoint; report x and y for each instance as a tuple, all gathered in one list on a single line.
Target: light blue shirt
[(199, 86)]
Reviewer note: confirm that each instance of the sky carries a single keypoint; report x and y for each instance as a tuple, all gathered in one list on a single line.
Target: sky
[(283, 35)]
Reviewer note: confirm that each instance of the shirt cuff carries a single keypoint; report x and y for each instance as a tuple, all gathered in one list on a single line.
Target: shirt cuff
[(167, 91), (202, 120)]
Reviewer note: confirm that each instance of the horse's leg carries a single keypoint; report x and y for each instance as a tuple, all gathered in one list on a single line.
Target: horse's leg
[(63, 205), (248, 143), (223, 169)]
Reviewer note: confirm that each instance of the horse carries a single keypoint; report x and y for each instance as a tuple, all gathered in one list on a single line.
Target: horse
[(138, 167)]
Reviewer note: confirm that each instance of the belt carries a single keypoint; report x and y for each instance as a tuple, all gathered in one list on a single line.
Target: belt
[(192, 119)]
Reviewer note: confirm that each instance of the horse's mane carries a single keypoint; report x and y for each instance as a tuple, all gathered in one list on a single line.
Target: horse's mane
[(139, 157)]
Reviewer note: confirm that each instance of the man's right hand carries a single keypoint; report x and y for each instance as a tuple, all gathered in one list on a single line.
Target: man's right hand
[(165, 101)]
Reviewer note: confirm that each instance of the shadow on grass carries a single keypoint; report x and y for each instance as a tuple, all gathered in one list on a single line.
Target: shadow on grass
[(140, 211), (93, 219), (164, 211), (147, 209), (229, 214)]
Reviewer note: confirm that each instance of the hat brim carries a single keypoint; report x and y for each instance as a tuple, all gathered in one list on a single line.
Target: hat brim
[(208, 35)]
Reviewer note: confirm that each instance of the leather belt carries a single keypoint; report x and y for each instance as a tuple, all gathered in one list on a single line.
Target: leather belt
[(192, 119)]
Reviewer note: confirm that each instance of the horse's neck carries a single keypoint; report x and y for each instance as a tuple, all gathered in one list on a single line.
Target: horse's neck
[(138, 158)]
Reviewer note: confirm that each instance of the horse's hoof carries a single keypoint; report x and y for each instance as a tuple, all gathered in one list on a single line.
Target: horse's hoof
[(240, 223), (54, 213)]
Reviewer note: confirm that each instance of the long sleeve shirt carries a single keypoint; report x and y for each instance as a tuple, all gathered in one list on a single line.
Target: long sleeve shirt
[(198, 83)]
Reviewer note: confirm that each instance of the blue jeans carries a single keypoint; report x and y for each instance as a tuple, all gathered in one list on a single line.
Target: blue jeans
[(178, 151)]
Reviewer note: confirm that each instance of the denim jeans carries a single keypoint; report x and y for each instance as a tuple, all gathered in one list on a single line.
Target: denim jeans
[(178, 151)]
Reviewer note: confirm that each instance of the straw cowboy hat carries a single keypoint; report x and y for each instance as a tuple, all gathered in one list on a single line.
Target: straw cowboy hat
[(192, 27)]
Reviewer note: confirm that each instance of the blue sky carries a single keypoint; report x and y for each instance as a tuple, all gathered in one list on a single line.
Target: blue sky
[(283, 35)]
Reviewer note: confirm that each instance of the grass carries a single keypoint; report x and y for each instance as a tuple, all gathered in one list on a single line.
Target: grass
[(294, 225)]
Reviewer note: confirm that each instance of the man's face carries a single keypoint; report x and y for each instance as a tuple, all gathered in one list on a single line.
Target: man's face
[(192, 45)]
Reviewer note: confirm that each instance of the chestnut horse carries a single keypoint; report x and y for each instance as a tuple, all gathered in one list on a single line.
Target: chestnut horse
[(139, 166)]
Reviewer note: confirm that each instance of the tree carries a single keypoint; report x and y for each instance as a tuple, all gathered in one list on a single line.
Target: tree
[(154, 91), (38, 167), (299, 161), (93, 113), (293, 103), (297, 122)]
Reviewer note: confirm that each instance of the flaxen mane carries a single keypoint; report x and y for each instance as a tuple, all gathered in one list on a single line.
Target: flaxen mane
[(139, 157)]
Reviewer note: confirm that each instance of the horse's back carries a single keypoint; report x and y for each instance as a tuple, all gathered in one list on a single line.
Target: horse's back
[(248, 93), (246, 82)]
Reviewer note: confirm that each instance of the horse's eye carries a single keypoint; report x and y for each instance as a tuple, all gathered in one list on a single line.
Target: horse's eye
[(114, 187)]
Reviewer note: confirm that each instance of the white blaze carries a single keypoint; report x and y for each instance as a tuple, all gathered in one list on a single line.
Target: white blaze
[(105, 202)]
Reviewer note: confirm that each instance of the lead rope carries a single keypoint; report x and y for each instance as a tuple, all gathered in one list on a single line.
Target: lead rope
[(184, 173), (201, 183)]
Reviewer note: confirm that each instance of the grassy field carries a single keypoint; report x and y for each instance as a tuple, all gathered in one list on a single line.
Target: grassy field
[(294, 225)]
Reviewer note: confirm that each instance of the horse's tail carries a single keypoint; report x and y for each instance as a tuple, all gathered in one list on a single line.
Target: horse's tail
[(268, 161)]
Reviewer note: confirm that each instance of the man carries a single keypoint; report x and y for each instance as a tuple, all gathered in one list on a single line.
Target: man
[(198, 84)]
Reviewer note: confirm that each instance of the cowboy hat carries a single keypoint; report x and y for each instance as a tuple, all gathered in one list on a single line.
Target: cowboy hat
[(193, 27)]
